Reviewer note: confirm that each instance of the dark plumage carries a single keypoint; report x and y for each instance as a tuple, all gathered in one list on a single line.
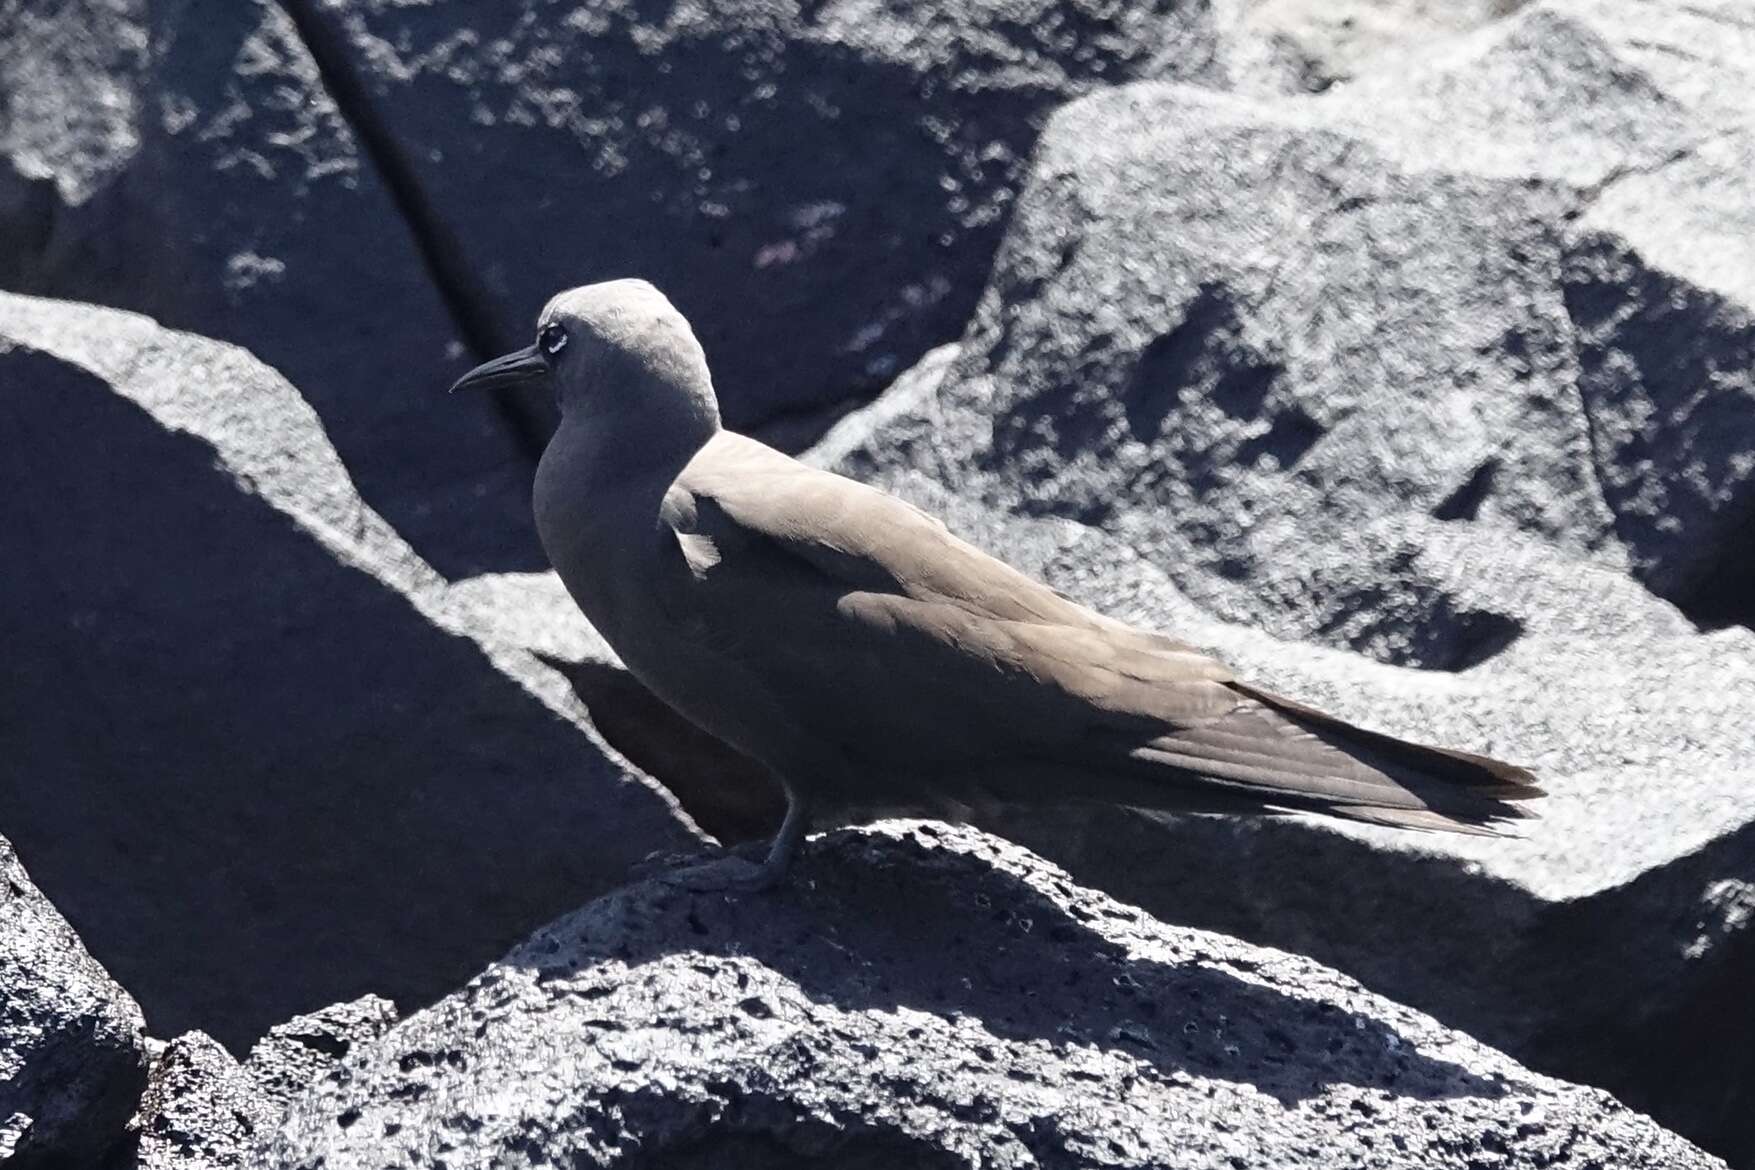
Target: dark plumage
[(873, 660)]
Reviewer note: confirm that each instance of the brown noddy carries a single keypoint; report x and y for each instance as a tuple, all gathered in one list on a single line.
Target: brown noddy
[(871, 659)]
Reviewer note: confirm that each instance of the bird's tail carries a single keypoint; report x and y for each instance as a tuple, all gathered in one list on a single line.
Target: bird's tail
[(1429, 788), (1273, 754)]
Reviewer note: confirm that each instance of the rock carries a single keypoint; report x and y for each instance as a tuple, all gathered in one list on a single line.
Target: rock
[(1657, 269), (927, 996), (72, 1044), (262, 755), (819, 186), (1663, 293), (1310, 45), (293, 1055), (726, 794), (188, 159), (1394, 401), (200, 1110), (1243, 310)]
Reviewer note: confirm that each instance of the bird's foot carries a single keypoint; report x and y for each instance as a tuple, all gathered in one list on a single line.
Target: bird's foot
[(736, 874), (662, 864), (730, 875)]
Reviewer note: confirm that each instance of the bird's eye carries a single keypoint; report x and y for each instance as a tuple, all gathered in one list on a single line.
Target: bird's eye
[(551, 338)]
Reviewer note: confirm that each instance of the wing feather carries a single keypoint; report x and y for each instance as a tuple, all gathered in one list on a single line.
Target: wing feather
[(881, 626)]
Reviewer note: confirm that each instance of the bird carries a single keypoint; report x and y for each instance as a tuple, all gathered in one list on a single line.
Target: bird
[(873, 661)]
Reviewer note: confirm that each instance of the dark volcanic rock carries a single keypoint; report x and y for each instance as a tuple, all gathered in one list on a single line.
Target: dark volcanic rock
[(185, 158), (72, 1049), (1407, 370), (925, 996), (200, 1111), (259, 752), (820, 186)]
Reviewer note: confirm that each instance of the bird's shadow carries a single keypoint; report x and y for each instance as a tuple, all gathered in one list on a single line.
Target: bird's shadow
[(943, 930), (725, 792)]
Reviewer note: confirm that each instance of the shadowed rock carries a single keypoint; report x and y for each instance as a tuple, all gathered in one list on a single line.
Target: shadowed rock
[(260, 752), (187, 159), (822, 185), (1533, 398), (72, 1048)]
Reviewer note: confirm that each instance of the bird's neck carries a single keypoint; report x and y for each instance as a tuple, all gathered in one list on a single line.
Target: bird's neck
[(598, 494)]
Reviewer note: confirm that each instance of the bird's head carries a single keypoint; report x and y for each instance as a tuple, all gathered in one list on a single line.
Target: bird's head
[(608, 349)]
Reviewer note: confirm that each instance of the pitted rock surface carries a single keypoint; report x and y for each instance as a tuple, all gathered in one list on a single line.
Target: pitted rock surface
[(72, 1042), (930, 996), (200, 1111), (285, 1062), (1416, 400), (189, 159), (260, 753)]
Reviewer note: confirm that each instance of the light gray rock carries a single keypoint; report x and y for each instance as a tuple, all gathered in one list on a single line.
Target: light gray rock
[(1239, 310), (1397, 400), (1627, 105), (189, 160), (261, 754), (72, 1044), (820, 186), (1293, 45), (292, 1056), (926, 996)]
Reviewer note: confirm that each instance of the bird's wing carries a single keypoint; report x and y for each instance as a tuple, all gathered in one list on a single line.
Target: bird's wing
[(870, 540), (877, 624)]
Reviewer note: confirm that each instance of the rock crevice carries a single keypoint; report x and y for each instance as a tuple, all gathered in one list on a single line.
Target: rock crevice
[(447, 266)]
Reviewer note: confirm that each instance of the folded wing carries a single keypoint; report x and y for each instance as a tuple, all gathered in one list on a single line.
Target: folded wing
[(924, 654)]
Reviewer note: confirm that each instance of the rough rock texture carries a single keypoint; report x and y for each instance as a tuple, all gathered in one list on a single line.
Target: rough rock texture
[(1310, 45), (187, 159), (290, 1058), (72, 1048), (925, 996), (819, 186), (1260, 326), (259, 752), (1283, 364), (200, 1111), (1428, 399)]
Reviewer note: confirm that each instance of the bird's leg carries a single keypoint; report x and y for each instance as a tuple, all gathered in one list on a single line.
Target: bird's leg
[(792, 829), (736, 873)]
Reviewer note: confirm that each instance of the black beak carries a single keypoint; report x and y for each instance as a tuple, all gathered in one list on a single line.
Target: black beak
[(512, 369)]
